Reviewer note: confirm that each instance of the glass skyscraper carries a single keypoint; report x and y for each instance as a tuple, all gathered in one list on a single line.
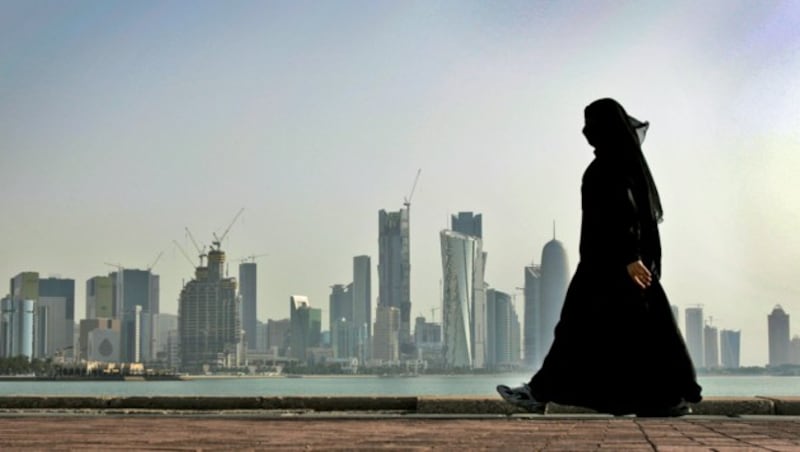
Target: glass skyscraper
[(464, 301)]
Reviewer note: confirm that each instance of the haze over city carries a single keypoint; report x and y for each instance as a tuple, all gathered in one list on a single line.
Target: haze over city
[(123, 123)]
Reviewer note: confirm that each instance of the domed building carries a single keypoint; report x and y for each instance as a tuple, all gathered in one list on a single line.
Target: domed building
[(553, 286)]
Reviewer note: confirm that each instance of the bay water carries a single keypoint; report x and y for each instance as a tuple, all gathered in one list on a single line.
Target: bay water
[(423, 385)]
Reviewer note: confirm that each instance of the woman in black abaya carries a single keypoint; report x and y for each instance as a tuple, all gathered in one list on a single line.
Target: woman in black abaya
[(617, 348)]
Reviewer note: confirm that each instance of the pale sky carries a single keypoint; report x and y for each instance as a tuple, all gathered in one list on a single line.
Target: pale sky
[(121, 123)]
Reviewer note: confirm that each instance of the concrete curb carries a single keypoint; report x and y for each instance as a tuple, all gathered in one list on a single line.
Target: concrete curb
[(723, 406)]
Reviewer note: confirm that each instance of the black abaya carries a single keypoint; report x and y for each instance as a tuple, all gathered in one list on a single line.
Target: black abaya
[(617, 347)]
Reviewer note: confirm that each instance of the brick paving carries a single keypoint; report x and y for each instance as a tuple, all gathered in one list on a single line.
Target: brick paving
[(148, 432)]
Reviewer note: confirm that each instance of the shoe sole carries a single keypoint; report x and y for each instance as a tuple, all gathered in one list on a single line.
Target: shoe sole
[(507, 394)]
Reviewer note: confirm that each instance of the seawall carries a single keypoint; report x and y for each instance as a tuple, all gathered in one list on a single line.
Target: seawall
[(455, 405)]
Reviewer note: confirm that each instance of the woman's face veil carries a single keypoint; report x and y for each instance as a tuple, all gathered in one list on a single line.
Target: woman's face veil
[(607, 125)]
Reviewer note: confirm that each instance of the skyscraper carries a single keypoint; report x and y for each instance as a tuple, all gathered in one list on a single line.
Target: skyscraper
[(248, 293), (340, 305), (56, 310), (554, 281), (779, 339), (362, 305), (464, 301), (17, 327), (132, 288), (343, 330), (208, 318), (305, 327), (503, 340), (729, 344), (533, 303), (394, 266), (694, 335), (163, 325), (711, 344)]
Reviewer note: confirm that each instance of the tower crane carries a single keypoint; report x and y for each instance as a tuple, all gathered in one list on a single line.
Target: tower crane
[(119, 266), (218, 240), (188, 259), (155, 261), (251, 258), (407, 200), (201, 252)]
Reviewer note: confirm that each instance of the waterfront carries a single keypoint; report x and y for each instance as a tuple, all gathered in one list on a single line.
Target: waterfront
[(438, 385)]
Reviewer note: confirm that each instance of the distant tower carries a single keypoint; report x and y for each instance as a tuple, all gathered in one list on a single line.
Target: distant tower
[(386, 339), (56, 310), (503, 338), (729, 344), (248, 290), (778, 322), (340, 317), (305, 327), (362, 305), (463, 301), (133, 288), (554, 281), (694, 335), (394, 266), (794, 351), (711, 339), (533, 315)]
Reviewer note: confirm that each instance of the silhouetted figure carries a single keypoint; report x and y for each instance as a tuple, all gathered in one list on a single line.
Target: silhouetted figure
[(617, 348)]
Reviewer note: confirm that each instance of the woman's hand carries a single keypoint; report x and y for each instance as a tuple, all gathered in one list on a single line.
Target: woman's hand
[(640, 274)]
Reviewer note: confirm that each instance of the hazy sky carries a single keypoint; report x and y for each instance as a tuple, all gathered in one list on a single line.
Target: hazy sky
[(121, 123)]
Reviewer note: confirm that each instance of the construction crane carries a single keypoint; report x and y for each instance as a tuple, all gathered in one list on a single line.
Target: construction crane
[(188, 259), (119, 266), (218, 240), (251, 258), (155, 261), (201, 252), (407, 200)]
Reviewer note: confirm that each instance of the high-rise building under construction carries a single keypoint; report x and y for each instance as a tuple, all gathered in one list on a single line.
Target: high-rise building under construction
[(394, 267), (208, 318)]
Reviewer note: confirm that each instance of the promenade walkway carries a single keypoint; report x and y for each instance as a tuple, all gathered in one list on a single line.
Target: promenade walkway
[(42, 430)]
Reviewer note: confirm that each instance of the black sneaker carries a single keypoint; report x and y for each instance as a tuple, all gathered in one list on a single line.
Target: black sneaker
[(521, 397)]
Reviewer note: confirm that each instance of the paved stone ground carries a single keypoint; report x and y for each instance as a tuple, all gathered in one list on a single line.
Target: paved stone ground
[(148, 432)]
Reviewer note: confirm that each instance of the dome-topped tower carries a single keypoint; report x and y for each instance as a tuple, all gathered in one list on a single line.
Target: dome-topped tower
[(554, 281)]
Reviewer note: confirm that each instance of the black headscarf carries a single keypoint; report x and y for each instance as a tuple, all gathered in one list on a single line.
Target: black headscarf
[(618, 137)]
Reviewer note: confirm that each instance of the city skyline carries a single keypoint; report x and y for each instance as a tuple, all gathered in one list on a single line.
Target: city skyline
[(123, 124)]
